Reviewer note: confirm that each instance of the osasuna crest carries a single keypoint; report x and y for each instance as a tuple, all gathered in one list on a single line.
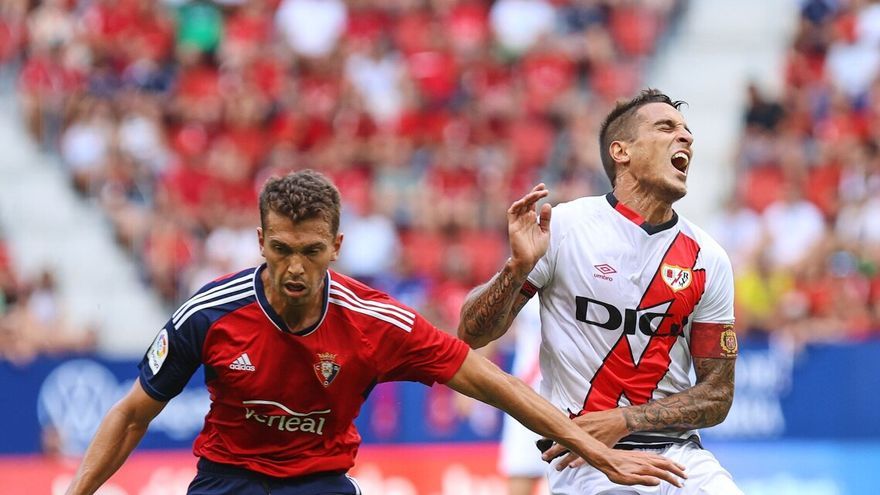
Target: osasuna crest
[(676, 277), (326, 368)]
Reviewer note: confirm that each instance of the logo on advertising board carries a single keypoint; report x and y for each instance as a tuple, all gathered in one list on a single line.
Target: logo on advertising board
[(73, 399), (76, 394)]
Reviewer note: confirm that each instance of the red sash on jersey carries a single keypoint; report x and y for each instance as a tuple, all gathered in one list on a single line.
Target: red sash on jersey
[(675, 280)]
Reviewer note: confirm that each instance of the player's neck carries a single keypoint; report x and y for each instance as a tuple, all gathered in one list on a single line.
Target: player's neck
[(300, 317), (653, 209), (297, 315)]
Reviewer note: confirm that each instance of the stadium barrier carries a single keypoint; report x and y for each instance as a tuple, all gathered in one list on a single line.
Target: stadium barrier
[(801, 423)]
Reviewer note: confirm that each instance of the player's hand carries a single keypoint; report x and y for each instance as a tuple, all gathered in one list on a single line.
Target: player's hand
[(640, 468), (607, 426), (528, 228), (625, 467)]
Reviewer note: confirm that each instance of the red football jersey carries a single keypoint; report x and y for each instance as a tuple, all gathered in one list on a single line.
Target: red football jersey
[(283, 403)]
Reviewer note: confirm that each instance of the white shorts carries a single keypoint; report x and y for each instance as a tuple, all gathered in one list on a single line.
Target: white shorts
[(518, 456), (705, 477)]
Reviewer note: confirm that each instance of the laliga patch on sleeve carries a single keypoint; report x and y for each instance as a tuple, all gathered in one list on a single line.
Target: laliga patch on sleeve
[(158, 351)]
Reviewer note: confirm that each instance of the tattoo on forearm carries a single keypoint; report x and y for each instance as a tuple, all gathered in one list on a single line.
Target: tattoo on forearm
[(706, 404), (488, 312)]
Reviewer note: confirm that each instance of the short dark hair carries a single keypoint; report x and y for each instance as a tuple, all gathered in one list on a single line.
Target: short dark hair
[(617, 126), (302, 195)]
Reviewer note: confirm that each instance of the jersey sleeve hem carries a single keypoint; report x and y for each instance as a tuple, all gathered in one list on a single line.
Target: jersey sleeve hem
[(454, 363), (151, 391)]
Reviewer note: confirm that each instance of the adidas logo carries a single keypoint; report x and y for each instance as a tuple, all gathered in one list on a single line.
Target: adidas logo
[(243, 363)]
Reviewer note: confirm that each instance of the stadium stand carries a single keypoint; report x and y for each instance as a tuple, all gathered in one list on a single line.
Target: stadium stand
[(428, 115), (802, 226), (32, 319)]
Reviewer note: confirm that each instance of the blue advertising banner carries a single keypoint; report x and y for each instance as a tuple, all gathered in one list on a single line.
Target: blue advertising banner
[(799, 467), (824, 392), (821, 392), (63, 401)]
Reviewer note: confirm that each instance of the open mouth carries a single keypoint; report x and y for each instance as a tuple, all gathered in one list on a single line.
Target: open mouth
[(680, 161), (294, 287)]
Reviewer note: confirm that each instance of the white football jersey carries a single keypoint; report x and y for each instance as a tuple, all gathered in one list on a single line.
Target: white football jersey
[(618, 297)]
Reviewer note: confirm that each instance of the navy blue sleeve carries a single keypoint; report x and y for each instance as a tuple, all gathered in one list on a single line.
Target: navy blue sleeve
[(172, 359), (176, 351)]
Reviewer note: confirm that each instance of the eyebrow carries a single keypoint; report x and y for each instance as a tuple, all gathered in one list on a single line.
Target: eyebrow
[(313, 245), (671, 123)]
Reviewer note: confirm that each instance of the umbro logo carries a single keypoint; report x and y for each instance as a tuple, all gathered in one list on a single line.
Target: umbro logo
[(604, 271), (243, 363)]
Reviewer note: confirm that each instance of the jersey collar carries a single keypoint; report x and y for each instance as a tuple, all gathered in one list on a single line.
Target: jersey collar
[(275, 318), (637, 219)]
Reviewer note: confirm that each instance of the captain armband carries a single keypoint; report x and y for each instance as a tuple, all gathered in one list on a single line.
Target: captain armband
[(713, 340)]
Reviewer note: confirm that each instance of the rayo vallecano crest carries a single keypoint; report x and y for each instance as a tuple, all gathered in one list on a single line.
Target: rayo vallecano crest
[(676, 277), (326, 368)]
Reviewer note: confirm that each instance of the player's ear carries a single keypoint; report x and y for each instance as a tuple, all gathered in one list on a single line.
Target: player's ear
[(619, 152), (337, 244), (260, 240)]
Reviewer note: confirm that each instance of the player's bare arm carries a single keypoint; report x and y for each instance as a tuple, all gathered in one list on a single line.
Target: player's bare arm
[(119, 433), (482, 380), (490, 308), (705, 404), (713, 348), (701, 406)]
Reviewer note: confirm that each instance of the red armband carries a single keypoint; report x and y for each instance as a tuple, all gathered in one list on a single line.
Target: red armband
[(528, 289), (713, 340)]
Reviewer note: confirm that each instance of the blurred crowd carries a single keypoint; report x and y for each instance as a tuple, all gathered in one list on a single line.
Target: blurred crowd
[(803, 226), (32, 316), (430, 115)]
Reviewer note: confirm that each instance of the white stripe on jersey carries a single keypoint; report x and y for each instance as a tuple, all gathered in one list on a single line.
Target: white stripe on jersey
[(401, 313), (210, 304), (374, 314), (220, 290), (357, 487)]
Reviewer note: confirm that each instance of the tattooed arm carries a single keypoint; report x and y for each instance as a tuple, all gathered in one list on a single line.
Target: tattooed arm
[(490, 308), (701, 406), (705, 404), (713, 348)]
